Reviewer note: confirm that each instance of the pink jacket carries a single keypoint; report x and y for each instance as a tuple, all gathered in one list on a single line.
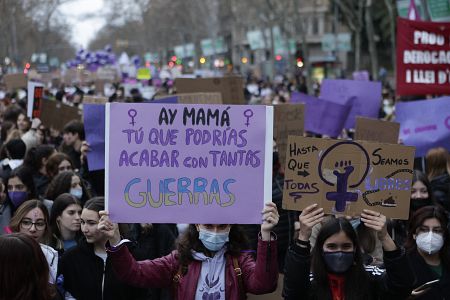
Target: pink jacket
[(258, 277)]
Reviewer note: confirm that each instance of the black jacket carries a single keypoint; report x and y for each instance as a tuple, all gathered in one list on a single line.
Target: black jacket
[(440, 187), (394, 283), (83, 276), (424, 274)]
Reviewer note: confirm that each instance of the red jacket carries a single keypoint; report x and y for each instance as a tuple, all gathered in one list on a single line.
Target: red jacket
[(258, 277)]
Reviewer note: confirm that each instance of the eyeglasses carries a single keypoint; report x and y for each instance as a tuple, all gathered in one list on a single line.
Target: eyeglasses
[(39, 225)]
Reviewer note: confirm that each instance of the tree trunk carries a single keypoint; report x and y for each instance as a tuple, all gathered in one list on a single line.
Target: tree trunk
[(305, 48), (357, 31), (391, 13), (272, 52), (371, 40)]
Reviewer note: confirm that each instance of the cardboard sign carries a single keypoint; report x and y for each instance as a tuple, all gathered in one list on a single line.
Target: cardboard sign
[(423, 57), (345, 177), (193, 98), (322, 116), (424, 124), (289, 120), (172, 163), (376, 130), (55, 114), (231, 88), (363, 96), (15, 81), (94, 100), (94, 128), (32, 96)]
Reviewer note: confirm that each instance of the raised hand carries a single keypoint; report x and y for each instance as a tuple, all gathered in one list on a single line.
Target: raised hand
[(108, 228), (377, 222), (270, 219), (309, 217)]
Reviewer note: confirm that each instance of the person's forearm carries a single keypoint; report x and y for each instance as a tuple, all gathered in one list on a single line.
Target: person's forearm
[(388, 244)]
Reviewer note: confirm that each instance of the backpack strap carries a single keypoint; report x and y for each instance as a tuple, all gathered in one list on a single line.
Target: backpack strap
[(238, 271)]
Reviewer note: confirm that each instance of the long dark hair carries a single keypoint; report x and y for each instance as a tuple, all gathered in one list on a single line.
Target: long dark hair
[(62, 183), (34, 156), (356, 279), (418, 218), (190, 241), (59, 205), (420, 176), (25, 175), (25, 272)]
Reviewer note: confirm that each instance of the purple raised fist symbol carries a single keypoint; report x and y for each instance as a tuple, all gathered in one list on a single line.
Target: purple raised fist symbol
[(342, 169), (341, 196)]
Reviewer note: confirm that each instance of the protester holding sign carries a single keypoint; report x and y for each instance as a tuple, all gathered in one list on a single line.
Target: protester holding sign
[(336, 262), (87, 272), (428, 247), (209, 261)]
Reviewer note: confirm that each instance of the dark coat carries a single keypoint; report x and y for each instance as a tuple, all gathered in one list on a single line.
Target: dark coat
[(440, 187), (424, 274), (83, 273), (394, 283)]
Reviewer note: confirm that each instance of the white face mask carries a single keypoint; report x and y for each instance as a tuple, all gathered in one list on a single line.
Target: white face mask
[(429, 242)]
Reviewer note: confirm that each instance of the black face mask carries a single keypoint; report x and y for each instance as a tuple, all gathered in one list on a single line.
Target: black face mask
[(338, 262), (419, 203)]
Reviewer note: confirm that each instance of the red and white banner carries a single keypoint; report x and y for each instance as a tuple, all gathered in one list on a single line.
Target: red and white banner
[(423, 57)]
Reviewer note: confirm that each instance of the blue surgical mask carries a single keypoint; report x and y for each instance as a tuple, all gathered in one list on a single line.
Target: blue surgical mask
[(77, 192), (213, 241), (17, 198)]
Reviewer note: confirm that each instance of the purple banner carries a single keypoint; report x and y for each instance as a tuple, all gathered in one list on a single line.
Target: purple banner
[(94, 127), (363, 96), (424, 124), (173, 163), (322, 116)]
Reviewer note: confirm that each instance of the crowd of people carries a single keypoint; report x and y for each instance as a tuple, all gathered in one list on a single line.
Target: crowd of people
[(57, 242)]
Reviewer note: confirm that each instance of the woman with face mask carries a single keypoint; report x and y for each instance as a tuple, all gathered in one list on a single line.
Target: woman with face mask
[(420, 197), (20, 187), (428, 250), (337, 270), (67, 182), (211, 261)]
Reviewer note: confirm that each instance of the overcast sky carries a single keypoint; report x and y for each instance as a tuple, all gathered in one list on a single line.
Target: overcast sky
[(83, 29)]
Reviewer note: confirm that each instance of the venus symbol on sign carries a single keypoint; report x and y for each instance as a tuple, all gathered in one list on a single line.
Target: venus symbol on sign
[(248, 114), (132, 114)]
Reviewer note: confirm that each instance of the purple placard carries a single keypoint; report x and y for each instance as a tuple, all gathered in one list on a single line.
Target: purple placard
[(424, 124), (161, 167), (171, 99), (322, 116), (363, 96), (94, 127)]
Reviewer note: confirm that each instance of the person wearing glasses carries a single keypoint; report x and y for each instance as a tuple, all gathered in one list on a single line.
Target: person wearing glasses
[(428, 250), (31, 218)]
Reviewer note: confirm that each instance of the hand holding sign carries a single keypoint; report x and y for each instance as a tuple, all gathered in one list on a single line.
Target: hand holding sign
[(270, 220), (108, 228), (309, 217), (377, 222)]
